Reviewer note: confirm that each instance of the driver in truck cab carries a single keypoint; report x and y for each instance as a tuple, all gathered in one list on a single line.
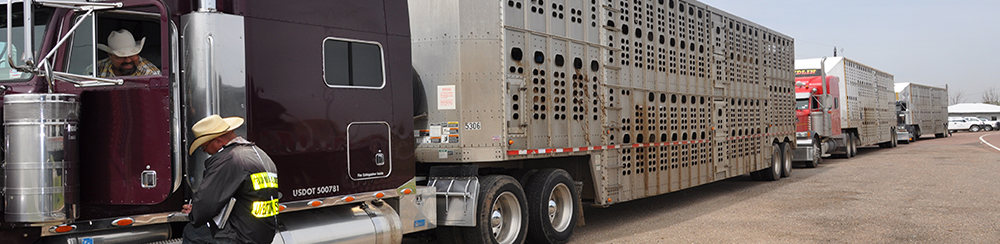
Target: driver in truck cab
[(123, 57), (237, 201)]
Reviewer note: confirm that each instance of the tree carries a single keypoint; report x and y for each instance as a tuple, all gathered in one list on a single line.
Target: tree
[(956, 97), (990, 96)]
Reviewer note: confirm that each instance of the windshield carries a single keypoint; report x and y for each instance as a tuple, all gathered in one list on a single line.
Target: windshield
[(41, 18), (801, 104)]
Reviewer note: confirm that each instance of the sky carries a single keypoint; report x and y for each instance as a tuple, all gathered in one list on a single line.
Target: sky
[(954, 43)]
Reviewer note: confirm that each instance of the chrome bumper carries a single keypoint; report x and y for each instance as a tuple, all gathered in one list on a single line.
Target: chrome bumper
[(802, 150)]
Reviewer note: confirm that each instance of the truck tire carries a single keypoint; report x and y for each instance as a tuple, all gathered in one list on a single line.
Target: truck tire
[(552, 206), (773, 173), (817, 152), (939, 135), (786, 159), (501, 216), (854, 145), (987, 128), (974, 128), (848, 145)]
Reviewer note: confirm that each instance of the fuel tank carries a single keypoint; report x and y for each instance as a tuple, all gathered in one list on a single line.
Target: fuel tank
[(41, 172), (375, 223)]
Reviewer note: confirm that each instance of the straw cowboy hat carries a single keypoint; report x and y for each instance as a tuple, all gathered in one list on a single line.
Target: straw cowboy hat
[(122, 44), (211, 127)]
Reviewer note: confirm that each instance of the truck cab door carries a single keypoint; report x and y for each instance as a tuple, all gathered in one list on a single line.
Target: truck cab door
[(128, 146)]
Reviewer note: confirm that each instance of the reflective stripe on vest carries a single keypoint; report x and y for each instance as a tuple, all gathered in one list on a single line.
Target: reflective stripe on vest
[(262, 209), (264, 180)]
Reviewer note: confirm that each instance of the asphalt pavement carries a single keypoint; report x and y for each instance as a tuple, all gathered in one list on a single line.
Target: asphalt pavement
[(935, 190)]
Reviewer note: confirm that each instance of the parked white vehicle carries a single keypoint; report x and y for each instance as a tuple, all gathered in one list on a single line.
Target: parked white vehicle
[(959, 124), (984, 124)]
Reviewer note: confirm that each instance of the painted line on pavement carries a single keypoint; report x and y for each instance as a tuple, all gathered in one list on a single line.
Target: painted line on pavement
[(987, 143)]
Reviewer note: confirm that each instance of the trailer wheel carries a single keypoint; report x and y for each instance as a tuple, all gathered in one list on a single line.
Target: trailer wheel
[(502, 212), (552, 206), (974, 128), (786, 159), (817, 154), (773, 173), (856, 140), (848, 145)]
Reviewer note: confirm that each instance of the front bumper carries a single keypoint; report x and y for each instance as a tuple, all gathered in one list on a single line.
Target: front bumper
[(803, 150)]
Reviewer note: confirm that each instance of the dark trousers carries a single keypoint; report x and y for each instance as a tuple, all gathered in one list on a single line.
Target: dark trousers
[(198, 235)]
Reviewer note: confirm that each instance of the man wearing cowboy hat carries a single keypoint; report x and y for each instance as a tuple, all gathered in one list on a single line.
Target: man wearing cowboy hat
[(236, 169), (123, 57)]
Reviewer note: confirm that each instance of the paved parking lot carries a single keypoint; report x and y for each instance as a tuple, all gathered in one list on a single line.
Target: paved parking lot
[(936, 190)]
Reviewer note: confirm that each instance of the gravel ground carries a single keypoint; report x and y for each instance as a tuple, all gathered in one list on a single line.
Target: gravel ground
[(936, 190)]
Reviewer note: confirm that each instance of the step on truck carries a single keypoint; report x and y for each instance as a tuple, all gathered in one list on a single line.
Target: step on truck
[(479, 121), (841, 105), (921, 109)]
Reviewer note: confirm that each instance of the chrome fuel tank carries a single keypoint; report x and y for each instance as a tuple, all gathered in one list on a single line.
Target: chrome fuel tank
[(40, 172)]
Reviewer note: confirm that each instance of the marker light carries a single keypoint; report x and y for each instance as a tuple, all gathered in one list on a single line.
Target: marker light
[(349, 199), (315, 203), (63, 228), (281, 207), (407, 191), (122, 222), (379, 195)]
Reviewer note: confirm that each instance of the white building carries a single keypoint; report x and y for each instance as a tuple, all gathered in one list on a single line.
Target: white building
[(981, 110)]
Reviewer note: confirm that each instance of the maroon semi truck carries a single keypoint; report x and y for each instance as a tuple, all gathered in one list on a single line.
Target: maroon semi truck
[(325, 87), (487, 121)]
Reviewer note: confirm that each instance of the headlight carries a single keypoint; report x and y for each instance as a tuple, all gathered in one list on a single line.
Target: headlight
[(802, 134)]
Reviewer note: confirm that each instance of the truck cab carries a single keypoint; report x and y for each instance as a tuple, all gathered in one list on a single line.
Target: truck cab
[(817, 113)]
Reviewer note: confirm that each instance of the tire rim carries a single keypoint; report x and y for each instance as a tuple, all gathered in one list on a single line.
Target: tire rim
[(776, 161), (560, 207), (505, 218)]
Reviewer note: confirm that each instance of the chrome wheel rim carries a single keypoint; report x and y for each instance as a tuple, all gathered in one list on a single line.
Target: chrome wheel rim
[(560, 207), (505, 218), (776, 161)]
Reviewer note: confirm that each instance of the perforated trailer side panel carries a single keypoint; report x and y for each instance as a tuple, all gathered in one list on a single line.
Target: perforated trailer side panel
[(663, 95)]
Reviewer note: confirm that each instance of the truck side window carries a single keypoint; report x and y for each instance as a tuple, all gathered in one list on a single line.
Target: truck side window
[(90, 47), (353, 64)]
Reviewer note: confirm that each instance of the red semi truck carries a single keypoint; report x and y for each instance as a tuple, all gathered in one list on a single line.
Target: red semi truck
[(841, 105), (488, 121)]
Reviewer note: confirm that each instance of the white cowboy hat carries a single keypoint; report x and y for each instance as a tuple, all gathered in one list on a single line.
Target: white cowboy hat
[(122, 44), (211, 127)]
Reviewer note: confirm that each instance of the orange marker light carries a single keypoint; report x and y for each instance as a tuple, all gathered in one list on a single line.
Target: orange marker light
[(349, 199), (281, 207), (379, 195), (122, 222), (64, 228), (315, 203), (609, 199), (510, 142), (407, 191)]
